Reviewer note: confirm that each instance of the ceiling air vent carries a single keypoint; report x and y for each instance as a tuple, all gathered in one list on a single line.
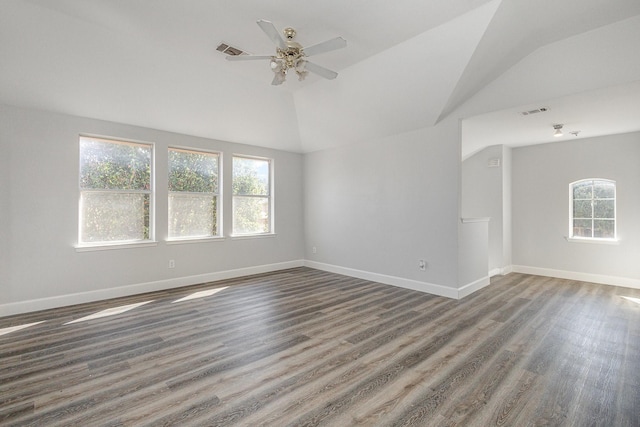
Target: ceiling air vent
[(229, 50), (493, 162), (536, 111)]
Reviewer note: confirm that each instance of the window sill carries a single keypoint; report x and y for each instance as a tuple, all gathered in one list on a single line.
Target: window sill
[(252, 236), (191, 240), (592, 241), (108, 247)]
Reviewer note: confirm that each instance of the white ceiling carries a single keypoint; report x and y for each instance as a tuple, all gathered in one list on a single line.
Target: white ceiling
[(407, 65), (594, 113)]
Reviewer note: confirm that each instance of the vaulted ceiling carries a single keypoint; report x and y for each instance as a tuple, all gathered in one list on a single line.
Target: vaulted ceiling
[(408, 64)]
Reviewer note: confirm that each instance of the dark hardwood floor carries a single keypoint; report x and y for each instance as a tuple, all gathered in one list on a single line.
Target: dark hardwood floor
[(303, 347)]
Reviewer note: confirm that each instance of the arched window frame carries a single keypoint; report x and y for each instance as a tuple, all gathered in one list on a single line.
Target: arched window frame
[(601, 202)]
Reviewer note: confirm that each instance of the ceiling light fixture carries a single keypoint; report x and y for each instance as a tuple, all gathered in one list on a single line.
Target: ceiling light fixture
[(290, 55), (288, 59), (558, 132)]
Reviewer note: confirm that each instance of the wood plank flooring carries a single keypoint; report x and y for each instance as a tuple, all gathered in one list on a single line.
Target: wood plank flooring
[(303, 347)]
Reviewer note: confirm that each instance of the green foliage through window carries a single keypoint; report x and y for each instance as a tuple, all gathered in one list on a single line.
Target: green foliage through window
[(115, 191), (114, 165), (593, 209), (193, 171), (251, 195), (193, 193)]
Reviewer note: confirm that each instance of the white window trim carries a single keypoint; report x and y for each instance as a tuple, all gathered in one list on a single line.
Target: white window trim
[(121, 244), (252, 236), (270, 197), (219, 215), (188, 240), (597, 240)]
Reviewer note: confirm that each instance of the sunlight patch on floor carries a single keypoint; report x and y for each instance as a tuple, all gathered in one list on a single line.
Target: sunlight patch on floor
[(109, 312), (632, 299), (5, 331), (200, 294)]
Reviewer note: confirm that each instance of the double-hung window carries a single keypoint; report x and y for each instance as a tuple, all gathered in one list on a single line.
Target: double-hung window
[(116, 192), (252, 196), (193, 193), (593, 209)]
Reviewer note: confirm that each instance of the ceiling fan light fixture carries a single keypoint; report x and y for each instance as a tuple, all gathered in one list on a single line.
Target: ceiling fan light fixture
[(558, 133), (288, 59), (276, 65), (300, 69), (279, 77), (291, 55)]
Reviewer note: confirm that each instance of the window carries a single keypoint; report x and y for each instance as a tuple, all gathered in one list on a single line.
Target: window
[(593, 209), (193, 193), (115, 191), (252, 193)]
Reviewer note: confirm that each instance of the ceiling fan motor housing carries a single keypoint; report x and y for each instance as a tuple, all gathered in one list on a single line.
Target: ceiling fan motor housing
[(292, 54)]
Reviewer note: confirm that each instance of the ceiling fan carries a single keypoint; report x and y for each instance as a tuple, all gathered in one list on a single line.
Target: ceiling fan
[(290, 55)]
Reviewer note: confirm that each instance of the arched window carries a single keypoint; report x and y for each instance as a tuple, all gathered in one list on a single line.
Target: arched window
[(593, 209)]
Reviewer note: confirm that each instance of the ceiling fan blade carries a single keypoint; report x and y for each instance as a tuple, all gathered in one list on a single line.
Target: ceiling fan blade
[(271, 32), (326, 46), (321, 71), (247, 57)]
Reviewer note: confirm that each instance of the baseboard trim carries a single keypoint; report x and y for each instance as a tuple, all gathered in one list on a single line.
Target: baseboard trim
[(583, 277), (495, 272), (472, 287), (430, 288), (501, 271), (506, 270), (124, 291)]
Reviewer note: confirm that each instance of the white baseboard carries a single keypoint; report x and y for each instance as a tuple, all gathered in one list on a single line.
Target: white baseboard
[(123, 291), (506, 270), (473, 287), (501, 271), (415, 285), (583, 277)]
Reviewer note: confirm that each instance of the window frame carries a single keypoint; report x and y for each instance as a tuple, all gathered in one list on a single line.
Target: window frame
[(269, 196), (114, 244), (593, 239), (219, 202)]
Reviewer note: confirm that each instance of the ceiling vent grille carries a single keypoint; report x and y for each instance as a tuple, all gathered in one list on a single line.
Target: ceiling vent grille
[(536, 111), (493, 162), (229, 50)]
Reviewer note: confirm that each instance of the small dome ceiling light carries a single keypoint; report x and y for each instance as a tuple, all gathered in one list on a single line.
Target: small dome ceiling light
[(558, 132)]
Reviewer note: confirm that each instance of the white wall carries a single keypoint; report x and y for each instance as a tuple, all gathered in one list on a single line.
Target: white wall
[(5, 204), (380, 207), (473, 254), (541, 178), (483, 196), (39, 215), (486, 192), (507, 216)]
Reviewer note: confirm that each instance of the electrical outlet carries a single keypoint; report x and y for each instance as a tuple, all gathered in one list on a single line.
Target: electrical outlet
[(172, 263), (422, 264), (314, 250)]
